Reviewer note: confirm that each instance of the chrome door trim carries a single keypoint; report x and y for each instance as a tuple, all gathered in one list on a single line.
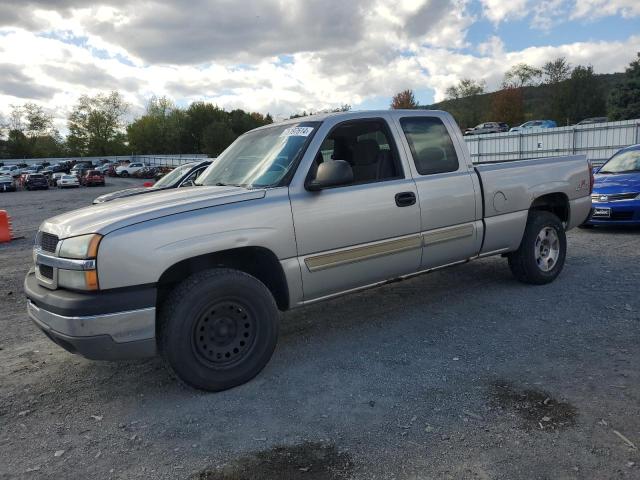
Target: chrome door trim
[(356, 254), (446, 234)]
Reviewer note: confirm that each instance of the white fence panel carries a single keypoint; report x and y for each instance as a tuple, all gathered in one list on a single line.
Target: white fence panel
[(153, 160), (598, 142)]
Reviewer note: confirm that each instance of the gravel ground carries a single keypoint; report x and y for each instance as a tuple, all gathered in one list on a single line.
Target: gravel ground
[(461, 374)]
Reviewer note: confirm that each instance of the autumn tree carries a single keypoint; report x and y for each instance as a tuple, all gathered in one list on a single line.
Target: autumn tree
[(404, 100), (507, 105), (624, 100)]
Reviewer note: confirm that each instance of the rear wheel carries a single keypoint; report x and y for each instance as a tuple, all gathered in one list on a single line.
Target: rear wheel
[(542, 252), (218, 329)]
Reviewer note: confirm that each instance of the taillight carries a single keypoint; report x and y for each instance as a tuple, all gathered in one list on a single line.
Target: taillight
[(592, 179)]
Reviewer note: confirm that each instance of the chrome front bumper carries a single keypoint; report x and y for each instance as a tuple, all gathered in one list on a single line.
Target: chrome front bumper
[(112, 336)]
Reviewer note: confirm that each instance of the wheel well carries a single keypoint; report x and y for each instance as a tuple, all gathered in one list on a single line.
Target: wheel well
[(556, 203), (256, 261)]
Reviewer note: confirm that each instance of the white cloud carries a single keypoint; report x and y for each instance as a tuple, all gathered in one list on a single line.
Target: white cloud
[(592, 9), (501, 10), (281, 61)]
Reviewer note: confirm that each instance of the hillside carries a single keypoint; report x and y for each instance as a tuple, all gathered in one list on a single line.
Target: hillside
[(537, 103)]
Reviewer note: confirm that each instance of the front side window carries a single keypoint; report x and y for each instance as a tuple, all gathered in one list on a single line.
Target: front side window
[(431, 145), (367, 145), (260, 158)]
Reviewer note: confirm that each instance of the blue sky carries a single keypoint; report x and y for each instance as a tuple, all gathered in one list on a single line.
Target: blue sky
[(289, 56)]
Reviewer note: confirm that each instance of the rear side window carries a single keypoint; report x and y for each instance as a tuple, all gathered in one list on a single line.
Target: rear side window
[(431, 146)]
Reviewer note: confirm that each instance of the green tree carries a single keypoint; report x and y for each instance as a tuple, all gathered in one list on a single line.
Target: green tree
[(556, 71), (18, 145), (404, 99), (216, 137), (466, 87), (521, 75), (624, 101), (96, 125), (580, 97)]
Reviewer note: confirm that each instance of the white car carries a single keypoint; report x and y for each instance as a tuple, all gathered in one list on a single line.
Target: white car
[(68, 181), (126, 170), (12, 170)]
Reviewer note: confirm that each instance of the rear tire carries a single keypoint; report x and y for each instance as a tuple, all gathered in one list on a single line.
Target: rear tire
[(542, 252), (218, 329)]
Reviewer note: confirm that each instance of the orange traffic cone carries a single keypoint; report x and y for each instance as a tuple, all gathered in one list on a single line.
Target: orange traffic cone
[(5, 227)]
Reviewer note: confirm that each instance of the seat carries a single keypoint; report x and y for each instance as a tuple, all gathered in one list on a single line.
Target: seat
[(386, 166), (365, 161)]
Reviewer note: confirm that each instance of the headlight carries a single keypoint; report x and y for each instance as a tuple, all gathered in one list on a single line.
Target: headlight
[(82, 247), (78, 280)]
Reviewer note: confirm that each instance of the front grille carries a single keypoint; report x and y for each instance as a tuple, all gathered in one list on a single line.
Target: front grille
[(46, 271), (621, 215), (48, 242), (614, 197)]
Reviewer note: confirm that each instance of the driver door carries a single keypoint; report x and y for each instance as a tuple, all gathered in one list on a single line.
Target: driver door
[(365, 232)]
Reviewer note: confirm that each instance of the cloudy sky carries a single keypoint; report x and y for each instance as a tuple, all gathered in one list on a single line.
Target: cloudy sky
[(285, 56)]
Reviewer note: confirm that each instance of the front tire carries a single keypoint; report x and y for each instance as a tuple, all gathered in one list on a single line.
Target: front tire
[(218, 329), (542, 252)]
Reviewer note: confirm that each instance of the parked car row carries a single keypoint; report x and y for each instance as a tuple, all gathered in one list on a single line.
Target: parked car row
[(182, 176), (499, 127), (43, 181)]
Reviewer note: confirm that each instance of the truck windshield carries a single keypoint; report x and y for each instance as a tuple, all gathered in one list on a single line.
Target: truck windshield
[(260, 158), (623, 162)]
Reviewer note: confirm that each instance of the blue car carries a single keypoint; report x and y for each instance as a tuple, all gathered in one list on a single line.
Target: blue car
[(534, 124), (616, 191)]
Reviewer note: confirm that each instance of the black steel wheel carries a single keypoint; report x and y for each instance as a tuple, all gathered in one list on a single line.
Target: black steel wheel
[(218, 329), (224, 334)]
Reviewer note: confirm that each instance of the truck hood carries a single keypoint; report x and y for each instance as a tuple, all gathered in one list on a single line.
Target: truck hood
[(107, 217), (107, 197), (617, 183)]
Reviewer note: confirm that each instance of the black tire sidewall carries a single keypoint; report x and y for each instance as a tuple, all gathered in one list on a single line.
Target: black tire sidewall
[(181, 317), (535, 224)]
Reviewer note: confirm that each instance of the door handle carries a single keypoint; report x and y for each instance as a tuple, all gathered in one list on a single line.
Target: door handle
[(405, 199)]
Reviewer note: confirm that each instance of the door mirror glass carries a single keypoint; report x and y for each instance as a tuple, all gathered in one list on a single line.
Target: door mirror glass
[(331, 173)]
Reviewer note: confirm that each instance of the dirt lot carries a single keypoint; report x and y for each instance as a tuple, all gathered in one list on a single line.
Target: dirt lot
[(459, 374)]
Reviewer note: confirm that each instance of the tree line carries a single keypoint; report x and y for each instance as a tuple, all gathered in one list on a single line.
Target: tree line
[(558, 91), (96, 124), (96, 127)]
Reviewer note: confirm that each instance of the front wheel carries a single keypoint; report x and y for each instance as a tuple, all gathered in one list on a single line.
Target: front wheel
[(542, 252), (218, 329)]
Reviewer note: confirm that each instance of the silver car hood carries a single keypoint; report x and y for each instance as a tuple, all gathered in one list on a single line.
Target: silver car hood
[(107, 217)]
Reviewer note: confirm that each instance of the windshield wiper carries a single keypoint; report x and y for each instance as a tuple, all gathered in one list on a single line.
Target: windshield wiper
[(620, 171), (222, 184)]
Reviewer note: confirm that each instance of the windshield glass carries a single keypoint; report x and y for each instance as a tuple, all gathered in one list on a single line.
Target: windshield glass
[(173, 176), (623, 162), (260, 158)]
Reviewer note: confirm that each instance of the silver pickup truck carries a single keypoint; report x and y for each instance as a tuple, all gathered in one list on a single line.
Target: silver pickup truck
[(288, 215)]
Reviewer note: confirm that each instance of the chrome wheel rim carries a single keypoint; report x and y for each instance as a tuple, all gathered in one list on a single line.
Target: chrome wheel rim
[(547, 249)]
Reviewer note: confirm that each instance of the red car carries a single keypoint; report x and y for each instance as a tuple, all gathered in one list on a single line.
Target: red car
[(92, 177)]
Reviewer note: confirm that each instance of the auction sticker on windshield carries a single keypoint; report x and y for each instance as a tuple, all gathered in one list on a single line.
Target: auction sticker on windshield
[(297, 132)]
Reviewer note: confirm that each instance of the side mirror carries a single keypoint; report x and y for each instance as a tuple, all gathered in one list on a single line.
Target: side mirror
[(595, 170), (331, 173)]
